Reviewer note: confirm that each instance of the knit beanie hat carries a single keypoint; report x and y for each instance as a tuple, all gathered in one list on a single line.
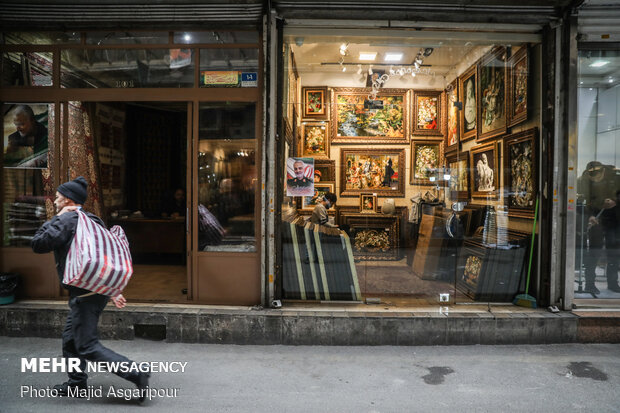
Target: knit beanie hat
[(75, 190)]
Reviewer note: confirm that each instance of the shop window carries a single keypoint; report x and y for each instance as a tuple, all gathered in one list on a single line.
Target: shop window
[(41, 38), (28, 185), (409, 173), (27, 69), (127, 68), (229, 67), (104, 38), (227, 177), (597, 252), (216, 37)]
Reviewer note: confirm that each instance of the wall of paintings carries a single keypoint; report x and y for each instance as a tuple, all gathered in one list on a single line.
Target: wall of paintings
[(471, 136)]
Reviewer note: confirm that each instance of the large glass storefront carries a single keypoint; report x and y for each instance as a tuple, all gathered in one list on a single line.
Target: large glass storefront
[(165, 126), (597, 243), (409, 167)]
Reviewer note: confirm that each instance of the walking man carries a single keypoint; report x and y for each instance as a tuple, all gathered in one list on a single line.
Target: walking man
[(80, 337)]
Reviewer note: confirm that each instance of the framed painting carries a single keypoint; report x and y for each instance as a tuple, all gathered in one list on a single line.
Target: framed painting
[(324, 170), (468, 119), (521, 172), (484, 165), (518, 87), (427, 116), (320, 189), (372, 170), (315, 102), (452, 116), (492, 89), (373, 237), (315, 139), (368, 203), (358, 119), (458, 168), (426, 156)]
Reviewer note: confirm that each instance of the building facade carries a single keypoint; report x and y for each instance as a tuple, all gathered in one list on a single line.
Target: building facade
[(452, 136)]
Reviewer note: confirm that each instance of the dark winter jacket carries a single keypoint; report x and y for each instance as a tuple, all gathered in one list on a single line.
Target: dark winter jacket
[(56, 235)]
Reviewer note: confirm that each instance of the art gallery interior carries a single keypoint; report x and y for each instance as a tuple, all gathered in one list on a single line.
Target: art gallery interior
[(430, 140)]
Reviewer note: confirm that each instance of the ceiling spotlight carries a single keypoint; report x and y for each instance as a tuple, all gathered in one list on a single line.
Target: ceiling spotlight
[(370, 70), (368, 55), (343, 49), (428, 51), (418, 60), (393, 57), (344, 68), (359, 69)]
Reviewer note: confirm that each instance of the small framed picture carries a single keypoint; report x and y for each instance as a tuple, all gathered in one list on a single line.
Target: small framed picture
[(315, 139), (368, 203), (518, 73), (320, 189), (315, 102), (427, 116), (324, 170), (484, 165), (458, 168), (452, 132), (468, 85), (426, 159), (492, 88)]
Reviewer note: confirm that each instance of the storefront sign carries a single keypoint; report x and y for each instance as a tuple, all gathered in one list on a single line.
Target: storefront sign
[(249, 79), (219, 78)]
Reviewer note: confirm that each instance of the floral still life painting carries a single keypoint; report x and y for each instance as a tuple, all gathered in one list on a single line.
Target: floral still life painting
[(426, 160), (427, 113), (315, 142)]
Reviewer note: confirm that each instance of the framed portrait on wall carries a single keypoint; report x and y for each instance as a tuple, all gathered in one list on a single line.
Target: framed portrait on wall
[(315, 139), (315, 102), (458, 168), (452, 115), (357, 119), (299, 176), (368, 203), (427, 116), (320, 189), (484, 165), (492, 89), (518, 86), (25, 137), (521, 172), (468, 86), (426, 157), (372, 170), (324, 170)]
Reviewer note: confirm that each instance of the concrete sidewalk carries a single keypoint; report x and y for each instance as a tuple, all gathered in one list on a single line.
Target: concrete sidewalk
[(329, 324), (229, 378)]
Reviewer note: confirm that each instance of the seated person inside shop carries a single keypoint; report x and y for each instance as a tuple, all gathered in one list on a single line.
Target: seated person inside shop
[(174, 206)]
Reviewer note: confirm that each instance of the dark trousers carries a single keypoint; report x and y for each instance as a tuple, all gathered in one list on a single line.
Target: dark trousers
[(608, 238), (80, 338)]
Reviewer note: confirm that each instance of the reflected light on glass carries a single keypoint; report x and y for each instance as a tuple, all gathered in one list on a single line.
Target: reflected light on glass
[(187, 37), (599, 63)]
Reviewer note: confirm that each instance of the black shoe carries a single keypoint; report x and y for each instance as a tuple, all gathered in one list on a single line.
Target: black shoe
[(63, 389), (614, 288), (143, 384), (591, 289)]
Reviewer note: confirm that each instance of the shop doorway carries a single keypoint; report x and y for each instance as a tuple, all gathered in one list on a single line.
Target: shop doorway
[(141, 155)]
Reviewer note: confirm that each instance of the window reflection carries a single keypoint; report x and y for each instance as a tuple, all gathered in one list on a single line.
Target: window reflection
[(227, 177), (127, 68)]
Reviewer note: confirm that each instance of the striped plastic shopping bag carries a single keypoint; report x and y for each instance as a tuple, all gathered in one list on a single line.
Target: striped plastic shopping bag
[(98, 259)]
